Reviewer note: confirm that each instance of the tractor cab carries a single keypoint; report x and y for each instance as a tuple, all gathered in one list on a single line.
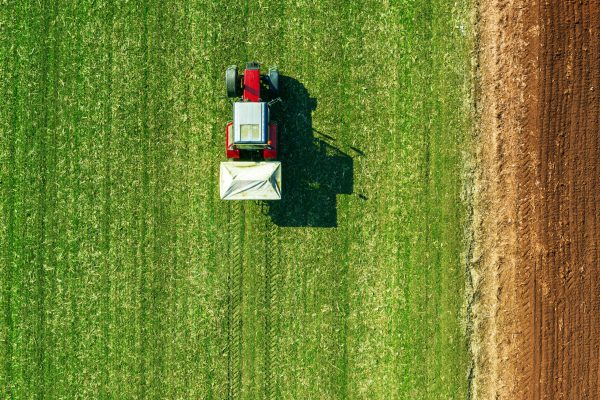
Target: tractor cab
[(250, 125), (251, 132)]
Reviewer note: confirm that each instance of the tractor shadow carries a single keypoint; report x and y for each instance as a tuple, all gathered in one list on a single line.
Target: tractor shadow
[(314, 170)]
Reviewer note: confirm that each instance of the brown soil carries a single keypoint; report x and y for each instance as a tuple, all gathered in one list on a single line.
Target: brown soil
[(537, 221)]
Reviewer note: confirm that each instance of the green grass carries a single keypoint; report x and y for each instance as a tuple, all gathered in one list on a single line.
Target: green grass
[(123, 275)]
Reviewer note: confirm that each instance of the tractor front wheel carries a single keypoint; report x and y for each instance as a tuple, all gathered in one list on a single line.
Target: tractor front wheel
[(233, 82), (274, 82)]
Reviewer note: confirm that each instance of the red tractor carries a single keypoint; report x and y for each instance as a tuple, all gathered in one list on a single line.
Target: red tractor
[(251, 138)]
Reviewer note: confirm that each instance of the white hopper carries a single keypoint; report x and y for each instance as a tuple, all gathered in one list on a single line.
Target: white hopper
[(243, 180)]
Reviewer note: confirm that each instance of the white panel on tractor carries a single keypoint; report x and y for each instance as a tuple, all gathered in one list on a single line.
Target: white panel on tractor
[(250, 122), (250, 180)]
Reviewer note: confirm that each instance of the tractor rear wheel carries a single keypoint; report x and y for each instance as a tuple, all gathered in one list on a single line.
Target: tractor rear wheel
[(274, 82), (232, 82)]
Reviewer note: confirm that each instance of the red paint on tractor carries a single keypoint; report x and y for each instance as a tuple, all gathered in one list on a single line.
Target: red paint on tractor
[(251, 85), (231, 152), (271, 151)]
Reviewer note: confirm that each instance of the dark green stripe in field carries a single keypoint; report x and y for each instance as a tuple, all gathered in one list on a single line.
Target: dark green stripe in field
[(123, 275)]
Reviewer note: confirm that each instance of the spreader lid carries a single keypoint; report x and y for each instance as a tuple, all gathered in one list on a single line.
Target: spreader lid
[(251, 180)]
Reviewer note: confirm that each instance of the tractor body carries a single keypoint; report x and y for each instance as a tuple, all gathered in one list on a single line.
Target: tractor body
[(251, 137)]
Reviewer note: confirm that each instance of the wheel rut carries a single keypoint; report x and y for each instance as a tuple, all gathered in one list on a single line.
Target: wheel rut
[(271, 281), (235, 297)]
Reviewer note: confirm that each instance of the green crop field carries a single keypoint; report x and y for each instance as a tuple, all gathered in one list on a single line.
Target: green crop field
[(123, 274)]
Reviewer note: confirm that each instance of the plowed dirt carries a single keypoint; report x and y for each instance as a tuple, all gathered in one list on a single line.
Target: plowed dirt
[(537, 264)]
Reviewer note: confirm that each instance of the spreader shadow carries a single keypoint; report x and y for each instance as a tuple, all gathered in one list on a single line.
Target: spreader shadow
[(314, 171)]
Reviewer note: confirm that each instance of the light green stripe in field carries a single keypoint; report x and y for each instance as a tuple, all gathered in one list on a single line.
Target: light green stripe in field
[(117, 272)]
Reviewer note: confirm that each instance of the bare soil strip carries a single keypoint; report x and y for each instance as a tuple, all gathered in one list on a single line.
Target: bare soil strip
[(536, 266)]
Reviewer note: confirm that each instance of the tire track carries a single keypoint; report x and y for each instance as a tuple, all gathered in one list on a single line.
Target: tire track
[(107, 200), (160, 138), (52, 234), (48, 69), (8, 214), (143, 262), (524, 294), (504, 200), (235, 298), (270, 302)]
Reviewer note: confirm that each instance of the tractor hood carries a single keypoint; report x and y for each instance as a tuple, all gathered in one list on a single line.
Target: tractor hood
[(251, 180)]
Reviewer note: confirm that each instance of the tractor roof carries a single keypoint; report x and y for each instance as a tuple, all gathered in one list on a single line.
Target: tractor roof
[(250, 122)]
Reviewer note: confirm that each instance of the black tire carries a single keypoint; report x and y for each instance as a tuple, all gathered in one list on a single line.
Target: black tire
[(274, 82), (232, 82)]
